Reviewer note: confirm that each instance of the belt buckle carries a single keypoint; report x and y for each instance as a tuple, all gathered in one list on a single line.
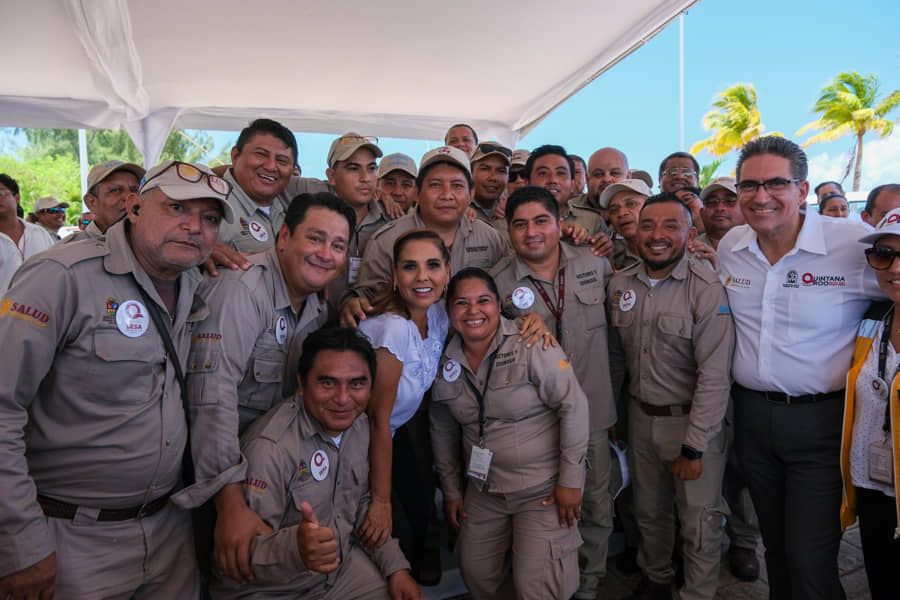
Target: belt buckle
[(142, 511)]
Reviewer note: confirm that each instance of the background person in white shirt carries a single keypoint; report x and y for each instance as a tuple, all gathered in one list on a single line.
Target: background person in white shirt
[(798, 286)]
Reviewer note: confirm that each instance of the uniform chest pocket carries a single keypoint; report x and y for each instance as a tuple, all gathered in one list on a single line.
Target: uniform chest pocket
[(676, 335), (621, 318), (592, 313), (318, 494), (268, 359), (112, 346), (513, 375), (134, 367), (453, 396)]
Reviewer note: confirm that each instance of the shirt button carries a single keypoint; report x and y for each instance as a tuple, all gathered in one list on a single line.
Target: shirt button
[(168, 443)]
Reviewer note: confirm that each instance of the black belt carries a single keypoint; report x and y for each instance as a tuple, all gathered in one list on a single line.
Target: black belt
[(58, 509), (670, 410), (782, 398)]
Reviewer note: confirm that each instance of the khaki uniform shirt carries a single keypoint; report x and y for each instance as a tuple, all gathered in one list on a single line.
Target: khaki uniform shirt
[(91, 232), (302, 185), (475, 245), (536, 416), (622, 257), (676, 339), (581, 211), (88, 415), (374, 220), (253, 229), (583, 329), (282, 450), (243, 361)]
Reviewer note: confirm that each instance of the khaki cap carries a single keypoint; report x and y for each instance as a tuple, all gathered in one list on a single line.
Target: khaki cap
[(519, 158), (719, 183), (446, 154), (643, 176), (188, 181), (101, 171), (343, 147), (48, 202), (485, 149), (397, 162), (629, 185)]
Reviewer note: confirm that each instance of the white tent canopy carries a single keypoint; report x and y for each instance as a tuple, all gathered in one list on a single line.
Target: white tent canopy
[(398, 68)]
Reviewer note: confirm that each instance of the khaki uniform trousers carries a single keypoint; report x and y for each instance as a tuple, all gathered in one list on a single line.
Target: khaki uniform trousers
[(656, 443), (510, 546), (145, 558), (596, 516)]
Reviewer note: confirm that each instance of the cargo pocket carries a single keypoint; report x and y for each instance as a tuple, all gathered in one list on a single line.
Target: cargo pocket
[(592, 307)]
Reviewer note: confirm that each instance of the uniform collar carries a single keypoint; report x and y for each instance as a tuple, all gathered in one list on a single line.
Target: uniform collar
[(462, 231), (281, 297), (249, 205), (454, 347), (374, 215), (309, 427), (679, 272), (487, 213), (583, 201), (522, 270)]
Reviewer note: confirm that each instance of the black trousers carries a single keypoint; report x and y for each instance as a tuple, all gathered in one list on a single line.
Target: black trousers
[(790, 456), (410, 502), (877, 514)]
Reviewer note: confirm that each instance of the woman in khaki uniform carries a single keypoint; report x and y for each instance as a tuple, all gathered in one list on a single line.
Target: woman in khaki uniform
[(523, 422)]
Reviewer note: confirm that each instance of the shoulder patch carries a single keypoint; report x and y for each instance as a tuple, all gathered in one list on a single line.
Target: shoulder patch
[(76, 252)]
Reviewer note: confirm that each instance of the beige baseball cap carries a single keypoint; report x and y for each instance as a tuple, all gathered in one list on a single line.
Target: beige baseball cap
[(632, 185), (519, 158), (643, 176), (491, 148), (397, 162), (446, 154), (188, 181), (48, 202), (101, 171), (343, 147), (719, 183)]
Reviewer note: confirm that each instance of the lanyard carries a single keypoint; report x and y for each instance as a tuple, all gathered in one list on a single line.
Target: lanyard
[(479, 395), (556, 311), (882, 361)]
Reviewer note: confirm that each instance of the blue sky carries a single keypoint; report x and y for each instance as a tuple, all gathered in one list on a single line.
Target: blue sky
[(788, 49)]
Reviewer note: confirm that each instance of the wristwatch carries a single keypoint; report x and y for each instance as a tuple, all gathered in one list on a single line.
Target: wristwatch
[(690, 454)]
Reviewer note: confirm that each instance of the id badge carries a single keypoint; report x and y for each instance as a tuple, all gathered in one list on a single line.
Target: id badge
[(479, 463), (353, 269), (881, 467)]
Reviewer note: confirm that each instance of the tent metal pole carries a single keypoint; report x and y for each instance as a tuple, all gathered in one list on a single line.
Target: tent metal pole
[(83, 163)]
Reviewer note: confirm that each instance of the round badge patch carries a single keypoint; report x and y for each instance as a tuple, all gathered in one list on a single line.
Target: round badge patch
[(131, 318), (258, 231), (626, 302), (523, 297), (451, 370), (879, 386), (318, 464), (280, 330)]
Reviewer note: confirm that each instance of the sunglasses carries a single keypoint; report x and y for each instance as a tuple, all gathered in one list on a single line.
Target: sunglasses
[(86, 222), (52, 211), (513, 175), (192, 174), (881, 258)]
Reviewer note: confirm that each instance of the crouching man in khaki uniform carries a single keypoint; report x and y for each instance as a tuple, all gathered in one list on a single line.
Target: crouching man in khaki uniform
[(92, 425), (308, 478), (672, 326)]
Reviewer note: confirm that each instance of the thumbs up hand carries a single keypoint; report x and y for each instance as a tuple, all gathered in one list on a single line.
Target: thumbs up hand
[(316, 544)]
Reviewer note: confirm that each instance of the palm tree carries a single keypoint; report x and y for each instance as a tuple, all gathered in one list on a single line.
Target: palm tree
[(850, 105), (708, 172), (734, 121)]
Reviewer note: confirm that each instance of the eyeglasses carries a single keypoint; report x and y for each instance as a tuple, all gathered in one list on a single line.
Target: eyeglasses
[(513, 175), (488, 148), (881, 258), (714, 202), (52, 211), (775, 186), (682, 171), (192, 174)]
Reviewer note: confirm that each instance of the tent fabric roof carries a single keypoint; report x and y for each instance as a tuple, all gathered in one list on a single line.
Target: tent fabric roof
[(399, 68)]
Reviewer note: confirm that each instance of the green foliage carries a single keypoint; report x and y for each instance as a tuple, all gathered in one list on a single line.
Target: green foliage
[(708, 172), (849, 105), (56, 176), (734, 121)]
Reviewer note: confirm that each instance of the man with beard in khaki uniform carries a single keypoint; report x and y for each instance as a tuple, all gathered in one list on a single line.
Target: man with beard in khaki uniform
[(672, 327), (92, 422), (566, 287)]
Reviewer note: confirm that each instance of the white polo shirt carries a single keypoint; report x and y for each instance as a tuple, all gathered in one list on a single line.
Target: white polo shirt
[(796, 320)]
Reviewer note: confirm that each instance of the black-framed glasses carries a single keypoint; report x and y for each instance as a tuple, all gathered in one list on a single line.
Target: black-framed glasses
[(192, 174), (489, 148), (776, 185), (52, 211), (514, 175), (881, 258), (682, 171), (714, 202)]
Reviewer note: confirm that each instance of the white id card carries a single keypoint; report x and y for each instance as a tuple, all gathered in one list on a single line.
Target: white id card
[(881, 468), (479, 463), (353, 269)]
